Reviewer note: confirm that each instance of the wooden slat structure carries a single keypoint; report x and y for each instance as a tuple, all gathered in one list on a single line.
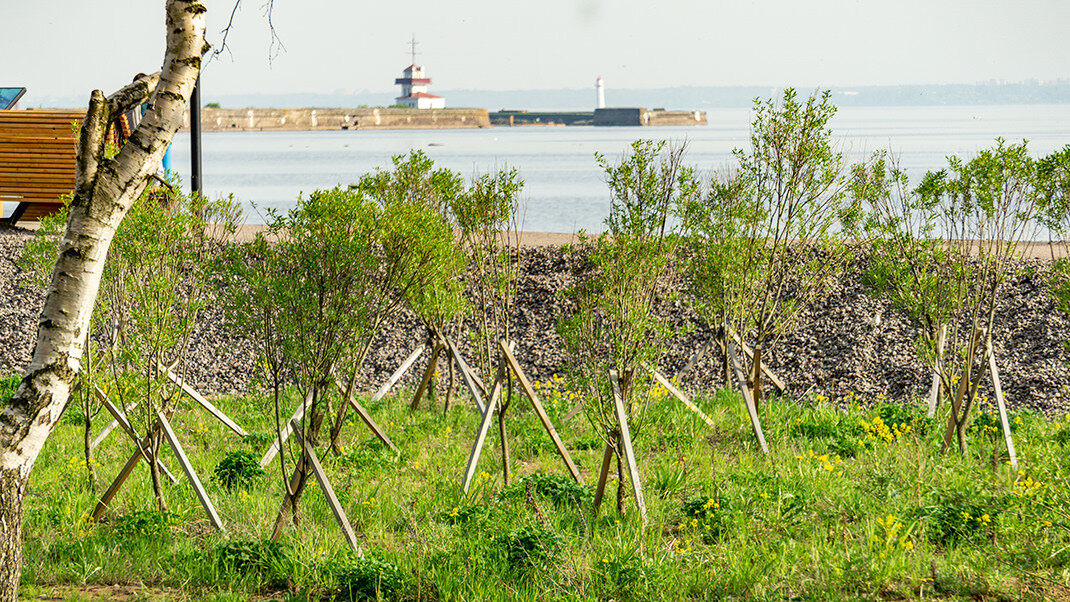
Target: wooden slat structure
[(37, 160)]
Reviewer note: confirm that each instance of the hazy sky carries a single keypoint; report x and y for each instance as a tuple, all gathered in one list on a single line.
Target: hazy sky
[(69, 47)]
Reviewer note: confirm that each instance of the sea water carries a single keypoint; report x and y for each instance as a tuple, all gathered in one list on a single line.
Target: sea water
[(565, 189)]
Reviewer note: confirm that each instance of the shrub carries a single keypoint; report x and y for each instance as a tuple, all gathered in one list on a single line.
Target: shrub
[(237, 468), (906, 414), (528, 547), (370, 579), (559, 489), (145, 523), (1061, 436), (259, 557)]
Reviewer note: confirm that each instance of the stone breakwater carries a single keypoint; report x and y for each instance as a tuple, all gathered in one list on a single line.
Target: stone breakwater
[(837, 347), (267, 120)]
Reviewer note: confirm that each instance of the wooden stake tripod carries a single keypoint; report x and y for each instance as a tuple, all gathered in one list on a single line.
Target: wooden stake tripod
[(664, 382), (735, 374), (298, 414), (623, 444), (143, 451), (960, 410), (509, 364), (185, 387), (308, 456), (471, 381)]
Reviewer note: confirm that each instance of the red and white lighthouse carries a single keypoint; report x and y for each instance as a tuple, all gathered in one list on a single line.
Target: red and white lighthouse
[(414, 82)]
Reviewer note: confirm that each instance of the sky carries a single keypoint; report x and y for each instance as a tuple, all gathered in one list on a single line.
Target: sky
[(70, 47)]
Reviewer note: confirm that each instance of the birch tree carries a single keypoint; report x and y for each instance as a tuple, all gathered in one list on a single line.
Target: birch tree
[(105, 189)]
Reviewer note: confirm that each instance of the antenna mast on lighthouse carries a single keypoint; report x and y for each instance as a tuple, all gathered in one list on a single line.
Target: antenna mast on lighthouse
[(412, 44)]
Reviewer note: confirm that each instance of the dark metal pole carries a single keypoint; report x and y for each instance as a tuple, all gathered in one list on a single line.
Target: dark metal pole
[(195, 137)]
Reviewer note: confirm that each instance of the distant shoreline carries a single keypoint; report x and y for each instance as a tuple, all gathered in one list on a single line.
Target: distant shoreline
[(1037, 249)]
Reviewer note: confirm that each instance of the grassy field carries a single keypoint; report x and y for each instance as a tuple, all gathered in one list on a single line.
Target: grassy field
[(851, 504)]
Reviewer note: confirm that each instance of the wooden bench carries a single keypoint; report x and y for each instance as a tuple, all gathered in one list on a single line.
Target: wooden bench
[(37, 160)]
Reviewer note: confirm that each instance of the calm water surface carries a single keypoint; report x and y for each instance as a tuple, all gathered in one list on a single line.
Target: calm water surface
[(565, 190)]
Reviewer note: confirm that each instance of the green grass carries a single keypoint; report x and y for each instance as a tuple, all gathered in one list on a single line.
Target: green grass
[(841, 509)]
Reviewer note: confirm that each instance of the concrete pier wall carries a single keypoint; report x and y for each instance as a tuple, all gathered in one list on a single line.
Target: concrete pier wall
[(633, 116), (242, 120)]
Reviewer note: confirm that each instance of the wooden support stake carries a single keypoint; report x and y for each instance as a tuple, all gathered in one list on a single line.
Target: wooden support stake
[(484, 428), (105, 500), (934, 392), (204, 403), (396, 376), (603, 475), (129, 428), (749, 353), (366, 417), (431, 365), (328, 491), (576, 409), (679, 395), (111, 425), (467, 376), (626, 445), (191, 474), (276, 445), (529, 391), (691, 361), (1001, 404), (741, 381)]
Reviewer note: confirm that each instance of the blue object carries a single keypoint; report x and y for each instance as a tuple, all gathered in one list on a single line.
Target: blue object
[(167, 160)]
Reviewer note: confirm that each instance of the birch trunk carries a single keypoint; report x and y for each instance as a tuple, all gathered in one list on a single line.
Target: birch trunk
[(104, 191)]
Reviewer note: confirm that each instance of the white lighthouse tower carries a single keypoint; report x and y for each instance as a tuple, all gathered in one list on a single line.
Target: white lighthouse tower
[(600, 88)]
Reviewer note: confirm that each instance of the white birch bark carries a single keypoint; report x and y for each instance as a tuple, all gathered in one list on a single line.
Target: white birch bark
[(104, 191)]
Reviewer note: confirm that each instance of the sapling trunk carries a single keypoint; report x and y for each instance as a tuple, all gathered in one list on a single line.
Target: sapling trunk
[(315, 423), (452, 384), (154, 469), (961, 427), (505, 449), (726, 365), (277, 390), (503, 405), (757, 374), (432, 383), (87, 442), (620, 478), (296, 485), (299, 480)]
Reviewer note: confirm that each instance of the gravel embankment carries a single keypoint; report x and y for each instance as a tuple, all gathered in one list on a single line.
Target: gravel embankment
[(837, 346)]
